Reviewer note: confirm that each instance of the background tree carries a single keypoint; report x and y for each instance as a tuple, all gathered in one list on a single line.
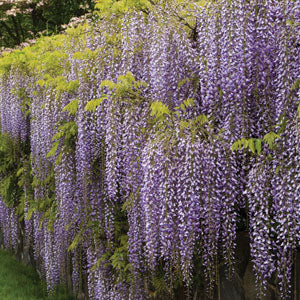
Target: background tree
[(21, 20)]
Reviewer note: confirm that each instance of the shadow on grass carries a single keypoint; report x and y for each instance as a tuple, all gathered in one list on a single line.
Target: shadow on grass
[(21, 282)]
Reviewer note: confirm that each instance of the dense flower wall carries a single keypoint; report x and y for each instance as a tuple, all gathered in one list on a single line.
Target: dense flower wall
[(153, 138)]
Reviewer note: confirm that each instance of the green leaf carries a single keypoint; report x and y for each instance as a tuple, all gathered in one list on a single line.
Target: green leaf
[(41, 82), (59, 159), (258, 146), (78, 55), (245, 143), (235, 146), (72, 107), (282, 125), (159, 109), (75, 242), (129, 77), (189, 102), (277, 170), (20, 172), (251, 146), (182, 82), (270, 138), (296, 85), (184, 124), (58, 135), (30, 213), (72, 86), (94, 103), (238, 144), (107, 83), (201, 119), (53, 150)]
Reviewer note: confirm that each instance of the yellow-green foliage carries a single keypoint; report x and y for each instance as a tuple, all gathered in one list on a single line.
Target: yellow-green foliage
[(255, 144), (121, 6), (47, 59), (177, 11)]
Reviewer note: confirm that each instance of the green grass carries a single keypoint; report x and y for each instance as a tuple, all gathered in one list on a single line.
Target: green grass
[(21, 282)]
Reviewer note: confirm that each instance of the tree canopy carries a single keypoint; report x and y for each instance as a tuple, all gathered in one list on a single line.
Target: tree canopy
[(21, 20)]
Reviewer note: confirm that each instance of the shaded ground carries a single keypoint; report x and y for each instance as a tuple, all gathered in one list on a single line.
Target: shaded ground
[(21, 282)]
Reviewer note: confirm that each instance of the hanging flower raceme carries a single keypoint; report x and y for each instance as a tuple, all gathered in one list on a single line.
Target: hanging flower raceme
[(259, 190), (286, 205)]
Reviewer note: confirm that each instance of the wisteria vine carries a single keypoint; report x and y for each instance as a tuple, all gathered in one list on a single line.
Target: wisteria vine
[(132, 124)]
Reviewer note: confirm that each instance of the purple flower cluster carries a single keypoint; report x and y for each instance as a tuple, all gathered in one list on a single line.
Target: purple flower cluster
[(9, 222)]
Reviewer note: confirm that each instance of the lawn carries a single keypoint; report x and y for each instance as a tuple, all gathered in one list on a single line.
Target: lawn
[(21, 282)]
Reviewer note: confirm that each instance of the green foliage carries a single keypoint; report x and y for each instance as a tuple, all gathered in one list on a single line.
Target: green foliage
[(94, 103), (86, 54), (46, 61), (296, 85), (55, 145), (126, 87), (254, 145), (159, 110), (196, 122), (177, 12), (15, 173), (72, 107), (66, 136), (47, 204), (270, 139), (10, 165), (116, 256), (164, 120), (77, 239), (24, 99), (119, 258), (35, 17), (118, 7), (159, 285), (251, 144)]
